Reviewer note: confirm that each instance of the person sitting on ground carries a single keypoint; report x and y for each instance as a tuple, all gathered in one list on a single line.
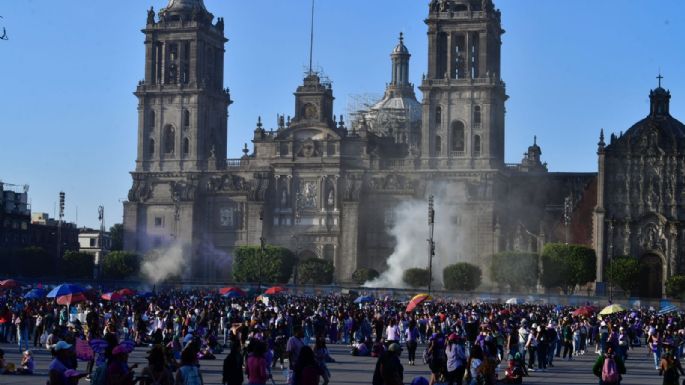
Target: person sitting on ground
[(27, 364), (513, 374)]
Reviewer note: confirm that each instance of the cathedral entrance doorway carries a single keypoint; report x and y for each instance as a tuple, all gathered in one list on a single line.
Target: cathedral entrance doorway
[(651, 278)]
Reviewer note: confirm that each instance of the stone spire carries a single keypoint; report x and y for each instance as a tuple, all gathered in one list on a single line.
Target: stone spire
[(659, 99)]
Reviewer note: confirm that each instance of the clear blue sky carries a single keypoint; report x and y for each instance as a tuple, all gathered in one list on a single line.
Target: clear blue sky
[(68, 117)]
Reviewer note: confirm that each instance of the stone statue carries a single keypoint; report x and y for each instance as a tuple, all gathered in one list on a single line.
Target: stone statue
[(151, 16), (331, 198), (284, 198)]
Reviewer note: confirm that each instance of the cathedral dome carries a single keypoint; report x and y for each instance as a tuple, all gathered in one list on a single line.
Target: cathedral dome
[(400, 49), (185, 5)]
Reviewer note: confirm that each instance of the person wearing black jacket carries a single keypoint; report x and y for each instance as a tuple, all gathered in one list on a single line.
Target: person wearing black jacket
[(233, 367)]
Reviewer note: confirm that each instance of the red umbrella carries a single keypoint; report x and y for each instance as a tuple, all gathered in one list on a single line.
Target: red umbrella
[(416, 301), (275, 290), (8, 284), (69, 299), (584, 311), (126, 292), (114, 297), (225, 290)]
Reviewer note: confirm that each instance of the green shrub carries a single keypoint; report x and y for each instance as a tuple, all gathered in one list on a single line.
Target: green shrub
[(416, 277), (274, 266), (120, 265), (519, 270), (675, 287), (363, 274), (315, 271), (567, 266), (78, 264), (461, 276), (624, 272)]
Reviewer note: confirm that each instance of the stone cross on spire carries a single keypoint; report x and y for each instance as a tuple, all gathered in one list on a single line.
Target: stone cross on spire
[(659, 77)]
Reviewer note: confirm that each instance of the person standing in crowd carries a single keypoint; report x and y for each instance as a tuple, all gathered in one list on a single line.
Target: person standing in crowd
[(389, 369), (156, 371), (233, 367), (456, 360), (307, 371), (293, 348), (412, 336), (189, 372), (256, 366), (671, 369), (609, 368)]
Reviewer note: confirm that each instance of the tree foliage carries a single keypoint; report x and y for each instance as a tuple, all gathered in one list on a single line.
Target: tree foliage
[(516, 269), (275, 266), (461, 276), (77, 264), (116, 234), (567, 266), (363, 274), (120, 265), (624, 272), (315, 271), (675, 287), (416, 277)]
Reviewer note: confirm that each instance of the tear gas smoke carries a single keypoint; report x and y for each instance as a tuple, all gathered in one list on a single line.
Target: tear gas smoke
[(410, 230), (164, 262)]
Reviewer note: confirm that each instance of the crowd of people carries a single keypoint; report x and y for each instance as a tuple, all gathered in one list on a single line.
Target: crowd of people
[(478, 343)]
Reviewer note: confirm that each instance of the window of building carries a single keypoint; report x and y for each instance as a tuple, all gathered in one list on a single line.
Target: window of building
[(186, 146), (438, 145), (476, 145), (476, 117), (151, 146), (152, 119), (438, 115), (458, 136), (169, 139), (159, 221), (92, 242), (186, 118)]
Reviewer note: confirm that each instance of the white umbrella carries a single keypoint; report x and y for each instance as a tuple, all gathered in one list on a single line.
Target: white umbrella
[(514, 301)]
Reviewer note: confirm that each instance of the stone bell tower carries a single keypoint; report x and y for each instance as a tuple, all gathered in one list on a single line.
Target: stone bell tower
[(182, 107), (463, 104)]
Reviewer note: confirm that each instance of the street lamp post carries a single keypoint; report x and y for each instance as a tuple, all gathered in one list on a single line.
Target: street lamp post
[(261, 251), (431, 243)]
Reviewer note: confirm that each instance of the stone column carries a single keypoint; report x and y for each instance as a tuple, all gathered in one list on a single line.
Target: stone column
[(347, 260), (599, 214), (483, 54), (432, 54), (450, 53)]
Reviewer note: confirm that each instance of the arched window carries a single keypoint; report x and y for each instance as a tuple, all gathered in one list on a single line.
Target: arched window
[(476, 145), (151, 146), (186, 118), (458, 137), (438, 145), (169, 139), (438, 115), (186, 146), (476, 116)]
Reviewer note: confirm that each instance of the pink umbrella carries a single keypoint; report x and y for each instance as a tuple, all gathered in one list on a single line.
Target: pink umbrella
[(70, 299)]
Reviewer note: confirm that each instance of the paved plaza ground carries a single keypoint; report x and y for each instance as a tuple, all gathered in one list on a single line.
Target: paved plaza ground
[(349, 370)]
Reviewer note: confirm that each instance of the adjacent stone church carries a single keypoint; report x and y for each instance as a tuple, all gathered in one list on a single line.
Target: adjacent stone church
[(326, 188)]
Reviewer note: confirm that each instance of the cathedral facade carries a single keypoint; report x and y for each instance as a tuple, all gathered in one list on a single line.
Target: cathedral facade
[(326, 188)]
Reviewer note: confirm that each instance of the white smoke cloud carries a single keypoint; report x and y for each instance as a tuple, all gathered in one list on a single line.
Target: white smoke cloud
[(410, 230), (164, 262)]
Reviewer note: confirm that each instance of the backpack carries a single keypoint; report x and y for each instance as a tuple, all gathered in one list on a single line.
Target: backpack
[(610, 371)]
